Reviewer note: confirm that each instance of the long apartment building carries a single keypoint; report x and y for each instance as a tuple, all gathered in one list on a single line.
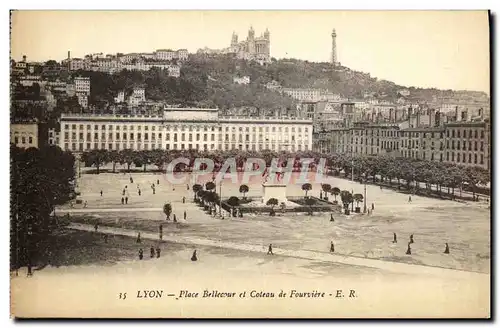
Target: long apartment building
[(460, 142), (183, 129)]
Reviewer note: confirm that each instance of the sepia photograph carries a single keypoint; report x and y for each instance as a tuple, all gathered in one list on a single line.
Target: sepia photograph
[(250, 164)]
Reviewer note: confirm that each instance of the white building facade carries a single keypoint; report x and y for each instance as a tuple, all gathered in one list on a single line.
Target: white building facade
[(183, 129)]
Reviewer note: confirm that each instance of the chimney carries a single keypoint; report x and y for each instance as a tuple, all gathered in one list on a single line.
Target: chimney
[(463, 117), (456, 113), (69, 54), (391, 113), (418, 118), (24, 58)]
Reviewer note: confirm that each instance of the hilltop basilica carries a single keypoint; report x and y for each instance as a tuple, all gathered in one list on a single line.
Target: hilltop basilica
[(253, 48)]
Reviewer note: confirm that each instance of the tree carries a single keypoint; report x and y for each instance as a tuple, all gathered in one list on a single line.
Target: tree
[(358, 198), (233, 201), (113, 157), (346, 198), (96, 157), (127, 156), (310, 202), (335, 192), (272, 202), (306, 187), (244, 189), (40, 180), (326, 187), (167, 210), (210, 186), (196, 188)]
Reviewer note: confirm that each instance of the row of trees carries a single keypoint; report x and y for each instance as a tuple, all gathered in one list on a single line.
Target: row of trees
[(40, 179), (407, 172)]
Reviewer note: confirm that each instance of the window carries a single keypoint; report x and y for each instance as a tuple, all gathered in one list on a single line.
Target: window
[(463, 158), (470, 158), (482, 159), (475, 134), (458, 134), (475, 145), (482, 134), (452, 157), (482, 146), (475, 158)]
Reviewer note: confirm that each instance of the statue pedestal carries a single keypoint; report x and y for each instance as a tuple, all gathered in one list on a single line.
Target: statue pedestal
[(274, 190)]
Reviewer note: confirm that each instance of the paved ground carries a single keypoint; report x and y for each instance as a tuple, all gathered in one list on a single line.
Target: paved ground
[(465, 226)]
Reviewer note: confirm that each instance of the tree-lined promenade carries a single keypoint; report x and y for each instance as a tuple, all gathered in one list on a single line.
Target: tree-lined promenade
[(406, 173)]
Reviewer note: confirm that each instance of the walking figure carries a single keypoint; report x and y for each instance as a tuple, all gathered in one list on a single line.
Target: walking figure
[(126, 200), (30, 271), (194, 257), (152, 251), (123, 200), (332, 247), (408, 251), (101, 193), (411, 239), (331, 218), (395, 239), (158, 252), (185, 215), (187, 186), (157, 181), (447, 249), (105, 239), (139, 237), (85, 204), (154, 192), (373, 207), (140, 254), (95, 227), (270, 250), (139, 192), (409, 199), (175, 218), (183, 200), (123, 192), (131, 180)]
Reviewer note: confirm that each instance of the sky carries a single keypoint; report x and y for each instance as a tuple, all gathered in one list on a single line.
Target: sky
[(441, 49)]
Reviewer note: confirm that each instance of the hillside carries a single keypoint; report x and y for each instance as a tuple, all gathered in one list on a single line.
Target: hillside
[(208, 81)]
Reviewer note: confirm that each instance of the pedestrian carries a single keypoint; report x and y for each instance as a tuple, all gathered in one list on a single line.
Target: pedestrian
[(95, 227), (158, 250), (187, 186), (185, 215), (157, 181), (270, 250), (373, 207), (408, 251), (123, 200), (331, 218), (154, 192), (173, 188), (139, 192), (194, 257), (30, 270), (140, 253), (409, 199), (101, 193), (85, 204), (139, 237), (332, 247), (183, 200), (152, 251), (411, 239), (447, 249), (395, 238), (126, 200), (131, 180), (71, 204), (175, 218), (105, 239)]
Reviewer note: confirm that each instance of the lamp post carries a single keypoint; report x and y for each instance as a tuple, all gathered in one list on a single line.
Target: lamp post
[(364, 207), (220, 198)]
